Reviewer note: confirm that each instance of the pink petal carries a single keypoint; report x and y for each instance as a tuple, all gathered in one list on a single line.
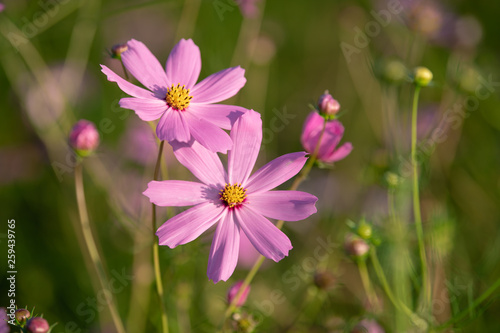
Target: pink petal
[(223, 116), (264, 236), (312, 127), (334, 131), (144, 66), (178, 193), (339, 153), (276, 172), (247, 137), (204, 164), (173, 126), (126, 86), (146, 109), (184, 64), (188, 225), (224, 250), (208, 135), (219, 86), (283, 205)]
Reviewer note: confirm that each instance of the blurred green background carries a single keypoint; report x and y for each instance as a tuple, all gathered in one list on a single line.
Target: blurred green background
[(50, 52)]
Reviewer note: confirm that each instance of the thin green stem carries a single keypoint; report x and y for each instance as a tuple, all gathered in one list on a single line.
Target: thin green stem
[(474, 305), (365, 279), (303, 175), (156, 251), (124, 70), (416, 203), (385, 285), (92, 247)]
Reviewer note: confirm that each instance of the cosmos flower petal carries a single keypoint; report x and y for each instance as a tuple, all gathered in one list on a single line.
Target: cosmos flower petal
[(219, 86), (126, 86), (203, 164), (276, 172), (224, 250), (339, 153), (146, 109), (247, 137), (209, 135), (144, 66), (173, 126), (184, 64), (264, 236), (221, 115), (188, 225), (283, 205), (177, 193), (334, 131), (312, 127)]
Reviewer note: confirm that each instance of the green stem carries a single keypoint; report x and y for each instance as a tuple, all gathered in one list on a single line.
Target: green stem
[(156, 253), (124, 70), (416, 203), (92, 247), (385, 285), (303, 174), (474, 305), (365, 279)]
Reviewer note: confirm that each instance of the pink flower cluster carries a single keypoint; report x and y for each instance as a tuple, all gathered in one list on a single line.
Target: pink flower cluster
[(233, 200)]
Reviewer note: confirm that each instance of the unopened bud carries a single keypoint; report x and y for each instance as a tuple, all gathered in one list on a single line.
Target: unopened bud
[(84, 138), (233, 291), (117, 50), (367, 326), (327, 105), (22, 315), (365, 230), (422, 76), (37, 325), (324, 280), (355, 246)]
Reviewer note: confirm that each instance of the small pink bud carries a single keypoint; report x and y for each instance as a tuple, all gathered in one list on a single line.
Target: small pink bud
[(356, 246), (84, 137), (37, 325), (231, 294), (22, 315), (367, 326), (118, 49), (328, 105)]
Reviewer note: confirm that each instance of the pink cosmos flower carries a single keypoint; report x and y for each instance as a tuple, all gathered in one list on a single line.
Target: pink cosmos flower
[(328, 151), (185, 109), (234, 199)]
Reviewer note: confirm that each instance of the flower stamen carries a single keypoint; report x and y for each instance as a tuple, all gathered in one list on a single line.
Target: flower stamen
[(233, 195), (178, 97)]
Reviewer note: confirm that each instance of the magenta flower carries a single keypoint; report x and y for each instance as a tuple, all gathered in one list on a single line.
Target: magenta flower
[(328, 151), (185, 109), (234, 199)]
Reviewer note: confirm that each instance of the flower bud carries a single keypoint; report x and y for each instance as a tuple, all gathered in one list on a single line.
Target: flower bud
[(2, 7), (233, 291), (367, 326), (37, 325), (117, 50), (392, 179), (324, 280), (84, 138), (364, 230), (356, 247), (422, 76), (22, 315), (327, 105)]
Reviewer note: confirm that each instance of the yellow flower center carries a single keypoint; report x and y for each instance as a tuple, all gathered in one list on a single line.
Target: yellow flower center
[(233, 195), (178, 97)]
